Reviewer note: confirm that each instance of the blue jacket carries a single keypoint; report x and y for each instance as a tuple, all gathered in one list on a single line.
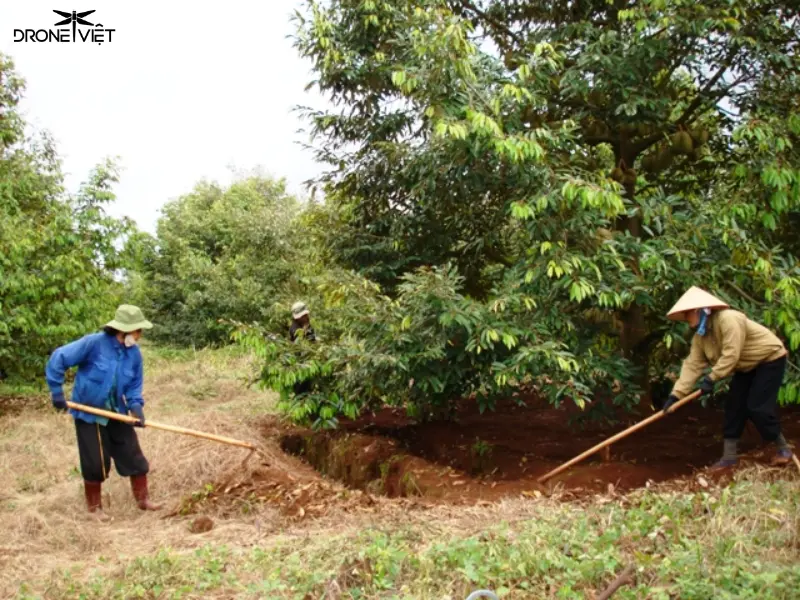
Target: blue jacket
[(99, 357)]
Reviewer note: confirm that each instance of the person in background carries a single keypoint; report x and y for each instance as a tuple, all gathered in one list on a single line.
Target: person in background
[(301, 321), (110, 376), (731, 344)]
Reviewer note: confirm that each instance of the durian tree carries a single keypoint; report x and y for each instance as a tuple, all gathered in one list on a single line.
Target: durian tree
[(592, 157), (655, 81)]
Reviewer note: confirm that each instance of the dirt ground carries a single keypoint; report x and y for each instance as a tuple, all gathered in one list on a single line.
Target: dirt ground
[(482, 458)]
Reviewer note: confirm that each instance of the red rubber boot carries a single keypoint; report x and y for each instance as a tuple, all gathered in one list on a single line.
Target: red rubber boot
[(139, 487), (93, 491)]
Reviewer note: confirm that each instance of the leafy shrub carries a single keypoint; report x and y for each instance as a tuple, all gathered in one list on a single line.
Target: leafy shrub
[(422, 351)]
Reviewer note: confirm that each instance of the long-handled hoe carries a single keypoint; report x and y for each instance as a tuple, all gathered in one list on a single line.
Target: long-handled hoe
[(174, 429), (615, 438)]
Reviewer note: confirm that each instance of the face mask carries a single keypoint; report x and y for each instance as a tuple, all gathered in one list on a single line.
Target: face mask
[(130, 340), (701, 326)]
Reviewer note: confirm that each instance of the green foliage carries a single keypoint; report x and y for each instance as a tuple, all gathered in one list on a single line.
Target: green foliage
[(219, 254), (59, 253), (757, 223), (481, 448), (422, 350), (593, 159), (481, 455)]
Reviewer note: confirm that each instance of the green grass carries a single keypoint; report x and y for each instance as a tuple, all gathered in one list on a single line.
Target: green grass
[(741, 542)]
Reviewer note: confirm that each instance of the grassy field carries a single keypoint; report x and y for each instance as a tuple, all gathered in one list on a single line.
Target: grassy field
[(742, 541)]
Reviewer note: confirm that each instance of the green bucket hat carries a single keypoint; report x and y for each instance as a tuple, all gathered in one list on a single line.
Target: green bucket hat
[(129, 318)]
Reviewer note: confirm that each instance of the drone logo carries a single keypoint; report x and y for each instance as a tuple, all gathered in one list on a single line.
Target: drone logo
[(73, 18), (98, 35)]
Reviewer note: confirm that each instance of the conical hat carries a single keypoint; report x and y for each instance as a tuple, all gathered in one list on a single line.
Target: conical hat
[(693, 299)]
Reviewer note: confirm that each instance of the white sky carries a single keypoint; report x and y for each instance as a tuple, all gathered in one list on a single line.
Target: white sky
[(185, 91)]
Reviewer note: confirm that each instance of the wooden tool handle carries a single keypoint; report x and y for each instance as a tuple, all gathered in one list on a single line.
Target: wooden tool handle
[(619, 436), (103, 413), (133, 421)]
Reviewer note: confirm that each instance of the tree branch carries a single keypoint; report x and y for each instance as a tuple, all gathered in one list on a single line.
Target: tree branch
[(638, 147), (719, 95), (726, 63), (497, 25), (598, 139), (623, 579), (699, 101), (656, 33), (742, 293)]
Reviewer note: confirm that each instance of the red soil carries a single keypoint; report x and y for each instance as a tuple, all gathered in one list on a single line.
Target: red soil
[(387, 454), (526, 442)]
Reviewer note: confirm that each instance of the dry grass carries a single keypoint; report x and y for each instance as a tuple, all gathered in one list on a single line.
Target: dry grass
[(48, 532), (42, 511)]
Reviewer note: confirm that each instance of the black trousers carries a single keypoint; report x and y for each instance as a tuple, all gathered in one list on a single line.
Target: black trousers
[(98, 444), (754, 396)]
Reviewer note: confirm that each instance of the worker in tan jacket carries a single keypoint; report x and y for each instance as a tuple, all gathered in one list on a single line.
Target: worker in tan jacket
[(731, 344)]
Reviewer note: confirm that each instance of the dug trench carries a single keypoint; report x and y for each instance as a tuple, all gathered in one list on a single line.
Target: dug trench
[(484, 457), (475, 458)]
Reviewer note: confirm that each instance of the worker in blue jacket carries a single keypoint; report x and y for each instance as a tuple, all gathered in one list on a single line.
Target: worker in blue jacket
[(109, 376)]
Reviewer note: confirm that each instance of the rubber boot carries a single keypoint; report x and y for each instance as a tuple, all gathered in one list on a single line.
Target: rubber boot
[(730, 456), (783, 456), (140, 493), (94, 495), (94, 499)]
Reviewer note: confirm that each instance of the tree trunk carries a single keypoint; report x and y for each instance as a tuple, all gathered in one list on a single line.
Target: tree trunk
[(634, 330), (634, 327)]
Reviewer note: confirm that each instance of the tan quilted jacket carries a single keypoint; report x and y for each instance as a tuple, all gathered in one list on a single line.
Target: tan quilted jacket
[(732, 343)]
